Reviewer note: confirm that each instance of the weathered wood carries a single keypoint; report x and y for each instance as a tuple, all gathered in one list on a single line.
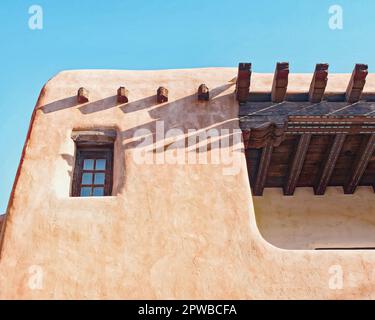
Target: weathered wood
[(264, 164), (252, 160), (122, 95), (296, 167), (337, 129), (318, 83), (329, 164), (357, 83), (203, 93), (162, 95), (243, 82), (246, 137), (82, 95), (331, 125), (280, 82), (266, 133), (98, 137), (359, 167)]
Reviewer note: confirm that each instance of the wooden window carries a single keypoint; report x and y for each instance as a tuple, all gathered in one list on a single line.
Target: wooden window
[(93, 173)]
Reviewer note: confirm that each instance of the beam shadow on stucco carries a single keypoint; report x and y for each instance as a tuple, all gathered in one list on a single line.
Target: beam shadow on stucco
[(192, 120), (60, 105), (99, 105), (140, 104), (179, 142), (111, 102), (193, 115)]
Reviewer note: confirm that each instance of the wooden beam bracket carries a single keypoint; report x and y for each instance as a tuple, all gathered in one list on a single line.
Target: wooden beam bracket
[(82, 95), (267, 133), (203, 93), (122, 95), (162, 95)]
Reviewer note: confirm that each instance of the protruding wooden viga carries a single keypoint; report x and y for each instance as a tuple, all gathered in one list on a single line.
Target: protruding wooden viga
[(203, 93), (318, 83), (357, 83), (243, 82), (162, 95), (280, 82), (82, 95), (122, 95)]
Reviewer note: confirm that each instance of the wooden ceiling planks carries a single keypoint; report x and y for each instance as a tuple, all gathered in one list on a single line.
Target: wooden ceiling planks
[(314, 140)]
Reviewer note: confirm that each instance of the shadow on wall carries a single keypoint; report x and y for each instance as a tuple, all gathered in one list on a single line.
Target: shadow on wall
[(70, 162), (192, 114), (60, 105)]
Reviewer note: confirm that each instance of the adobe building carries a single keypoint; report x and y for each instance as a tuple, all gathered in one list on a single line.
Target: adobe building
[(294, 220)]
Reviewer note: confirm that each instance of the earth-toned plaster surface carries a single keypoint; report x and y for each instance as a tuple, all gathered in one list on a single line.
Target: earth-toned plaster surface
[(185, 231)]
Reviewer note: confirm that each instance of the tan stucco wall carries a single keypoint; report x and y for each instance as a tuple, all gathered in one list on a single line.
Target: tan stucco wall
[(305, 221), (169, 231)]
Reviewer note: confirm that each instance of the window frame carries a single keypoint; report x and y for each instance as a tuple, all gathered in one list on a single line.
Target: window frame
[(92, 152)]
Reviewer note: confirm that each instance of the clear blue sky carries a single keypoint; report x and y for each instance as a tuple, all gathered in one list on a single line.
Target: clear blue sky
[(159, 34)]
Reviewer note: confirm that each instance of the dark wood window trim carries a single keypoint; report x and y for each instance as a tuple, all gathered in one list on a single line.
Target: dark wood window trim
[(89, 163), (94, 137), (93, 171)]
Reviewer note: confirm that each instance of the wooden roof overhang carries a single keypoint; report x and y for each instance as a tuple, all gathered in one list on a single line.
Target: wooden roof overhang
[(313, 139)]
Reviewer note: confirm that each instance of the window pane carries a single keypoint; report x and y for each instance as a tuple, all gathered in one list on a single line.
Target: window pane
[(100, 164), (87, 178), (93, 171), (99, 178), (98, 192), (85, 192), (88, 164)]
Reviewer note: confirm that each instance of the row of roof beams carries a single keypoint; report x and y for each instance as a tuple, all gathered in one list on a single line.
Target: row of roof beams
[(161, 94), (317, 87), (279, 86)]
